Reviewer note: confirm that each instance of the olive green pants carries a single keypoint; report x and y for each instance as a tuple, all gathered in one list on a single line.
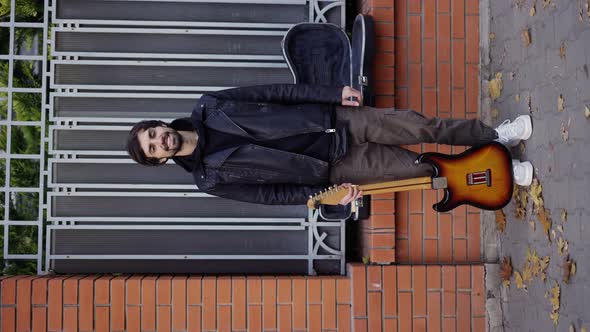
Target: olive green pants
[(373, 153)]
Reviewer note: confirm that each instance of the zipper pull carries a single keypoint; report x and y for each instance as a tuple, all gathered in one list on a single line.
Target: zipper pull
[(331, 130)]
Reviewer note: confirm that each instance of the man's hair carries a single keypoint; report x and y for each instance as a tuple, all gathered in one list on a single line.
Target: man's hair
[(133, 147)]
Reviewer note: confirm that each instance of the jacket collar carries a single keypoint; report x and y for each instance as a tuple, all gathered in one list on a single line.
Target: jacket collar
[(193, 162)]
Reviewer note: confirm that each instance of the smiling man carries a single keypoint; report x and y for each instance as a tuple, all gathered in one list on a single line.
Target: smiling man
[(161, 142), (281, 143)]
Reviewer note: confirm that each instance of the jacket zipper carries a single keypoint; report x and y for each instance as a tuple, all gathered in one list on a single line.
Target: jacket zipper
[(330, 130)]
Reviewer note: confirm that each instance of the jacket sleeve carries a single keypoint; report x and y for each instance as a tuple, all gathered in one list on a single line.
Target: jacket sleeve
[(270, 194), (284, 94)]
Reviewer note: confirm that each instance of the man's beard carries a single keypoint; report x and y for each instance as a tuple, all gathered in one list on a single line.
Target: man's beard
[(179, 141)]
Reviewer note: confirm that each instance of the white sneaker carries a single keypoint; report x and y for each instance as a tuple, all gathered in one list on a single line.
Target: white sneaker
[(523, 172), (509, 133)]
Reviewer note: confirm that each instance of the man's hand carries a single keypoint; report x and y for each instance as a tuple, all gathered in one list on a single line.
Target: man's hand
[(353, 194), (348, 92)]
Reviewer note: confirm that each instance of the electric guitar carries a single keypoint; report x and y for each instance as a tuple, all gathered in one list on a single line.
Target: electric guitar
[(480, 176)]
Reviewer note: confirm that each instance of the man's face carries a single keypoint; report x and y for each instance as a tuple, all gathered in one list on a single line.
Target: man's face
[(159, 142)]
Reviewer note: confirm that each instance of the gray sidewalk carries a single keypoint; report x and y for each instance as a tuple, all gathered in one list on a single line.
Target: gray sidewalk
[(559, 149)]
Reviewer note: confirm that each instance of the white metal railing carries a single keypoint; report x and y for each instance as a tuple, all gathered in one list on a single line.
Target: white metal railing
[(8, 190)]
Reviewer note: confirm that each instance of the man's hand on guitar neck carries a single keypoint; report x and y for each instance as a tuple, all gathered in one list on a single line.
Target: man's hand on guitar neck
[(353, 194)]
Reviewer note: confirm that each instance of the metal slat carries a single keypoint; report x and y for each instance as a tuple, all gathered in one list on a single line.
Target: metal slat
[(154, 208), (263, 13), (169, 43), (160, 76), (112, 174), (114, 108), (89, 140)]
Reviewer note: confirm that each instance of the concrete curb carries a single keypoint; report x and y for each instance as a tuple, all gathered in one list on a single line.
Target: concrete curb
[(489, 234), (495, 294)]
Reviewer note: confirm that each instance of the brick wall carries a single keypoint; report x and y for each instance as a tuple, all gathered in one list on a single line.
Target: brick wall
[(371, 298), (175, 303), (427, 59), (418, 298)]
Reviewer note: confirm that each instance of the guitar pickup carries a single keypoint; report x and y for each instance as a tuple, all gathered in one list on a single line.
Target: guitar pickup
[(480, 178)]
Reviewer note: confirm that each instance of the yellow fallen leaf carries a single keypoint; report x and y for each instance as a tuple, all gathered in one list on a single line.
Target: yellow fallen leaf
[(572, 329), (529, 102), (532, 225), (586, 112), (546, 3), (560, 104), (530, 253), (517, 98), (545, 220), (536, 268), (500, 220), (555, 303), (562, 51), (583, 329), (519, 282), (568, 266), (492, 36), (527, 273), (561, 246), (526, 37), (494, 113), (496, 86), (533, 11), (573, 269), (565, 130), (535, 192), (506, 269), (520, 197), (563, 215), (545, 263), (521, 147), (560, 228), (555, 291)]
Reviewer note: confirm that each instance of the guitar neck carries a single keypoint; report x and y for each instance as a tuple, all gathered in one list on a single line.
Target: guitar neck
[(396, 186), (333, 195)]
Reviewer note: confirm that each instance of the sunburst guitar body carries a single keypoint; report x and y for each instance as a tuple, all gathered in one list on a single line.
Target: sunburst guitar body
[(481, 176)]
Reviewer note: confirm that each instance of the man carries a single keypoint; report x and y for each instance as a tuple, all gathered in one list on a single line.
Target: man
[(279, 144)]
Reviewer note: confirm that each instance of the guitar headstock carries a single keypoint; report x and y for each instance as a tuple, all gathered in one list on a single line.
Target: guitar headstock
[(330, 196)]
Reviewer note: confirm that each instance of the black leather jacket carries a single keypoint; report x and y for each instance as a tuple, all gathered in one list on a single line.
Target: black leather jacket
[(254, 173)]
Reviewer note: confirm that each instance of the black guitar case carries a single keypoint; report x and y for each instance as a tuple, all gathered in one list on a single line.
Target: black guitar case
[(321, 53)]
